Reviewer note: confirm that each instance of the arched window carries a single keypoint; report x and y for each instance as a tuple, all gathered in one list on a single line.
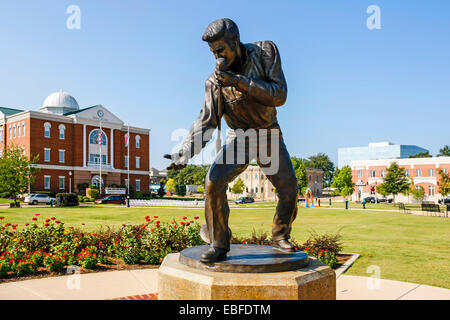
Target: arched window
[(95, 149), (94, 137), (62, 131), (47, 127), (138, 142), (96, 181)]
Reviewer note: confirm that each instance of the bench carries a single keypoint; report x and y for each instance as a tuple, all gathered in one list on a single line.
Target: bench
[(401, 206), (431, 208)]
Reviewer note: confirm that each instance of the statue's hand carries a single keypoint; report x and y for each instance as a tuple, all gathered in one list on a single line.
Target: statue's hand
[(178, 161), (226, 78)]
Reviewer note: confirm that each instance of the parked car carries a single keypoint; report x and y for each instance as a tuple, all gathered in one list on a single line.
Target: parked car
[(444, 200), (370, 199), (36, 198), (111, 199), (244, 200), (384, 199)]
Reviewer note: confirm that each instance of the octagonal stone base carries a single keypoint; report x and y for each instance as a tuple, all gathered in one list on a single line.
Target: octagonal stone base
[(177, 281)]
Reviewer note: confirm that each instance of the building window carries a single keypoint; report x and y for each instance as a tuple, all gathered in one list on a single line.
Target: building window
[(262, 190), (138, 162), (372, 174), (61, 155), (62, 131), (1, 134), (383, 173), (256, 190), (360, 173), (126, 183), (246, 177), (138, 142), (445, 170), (431, 190), (14, 130), (138, 185), (47, 127), (262, 176), (126, 140), (61, 182), (98, 145), (18, 130), (418, 172), (95, 158), (23, 129), (94, 137), (256, 175), (406, 172), (46, 182), (46, 154), (10, 132), (126, 161), (431, 172)]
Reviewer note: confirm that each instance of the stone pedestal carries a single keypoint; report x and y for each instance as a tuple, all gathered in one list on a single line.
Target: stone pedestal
[(178, 281)]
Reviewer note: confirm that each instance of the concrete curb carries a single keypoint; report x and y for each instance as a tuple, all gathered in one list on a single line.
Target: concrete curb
[(339, 271)]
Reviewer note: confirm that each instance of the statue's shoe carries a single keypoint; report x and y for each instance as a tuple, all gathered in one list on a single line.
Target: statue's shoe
[(284, 245), (214, 255)]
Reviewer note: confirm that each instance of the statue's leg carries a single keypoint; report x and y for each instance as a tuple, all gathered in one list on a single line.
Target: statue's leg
[(222, 172), (285, 182)]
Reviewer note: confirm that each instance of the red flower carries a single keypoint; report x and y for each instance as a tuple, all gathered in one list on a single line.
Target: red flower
[(196, 217), (158, 222), (47, 220), (46, 225), (37, 214), (151, 230), (2, 218), (34, 219), (182, 222), (156, 217), (27, 224), (143, 227), (57, 221), (188, 223), (94, 234), (184, 218), (147, 217), (53, 218)]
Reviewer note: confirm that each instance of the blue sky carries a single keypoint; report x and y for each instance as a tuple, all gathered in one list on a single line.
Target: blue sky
[(145, 61)]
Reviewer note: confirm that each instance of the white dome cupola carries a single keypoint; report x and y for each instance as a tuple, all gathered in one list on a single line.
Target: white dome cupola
[(59, 103)]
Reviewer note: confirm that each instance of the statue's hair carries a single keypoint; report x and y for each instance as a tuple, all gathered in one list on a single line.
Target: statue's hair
[(221, 28)]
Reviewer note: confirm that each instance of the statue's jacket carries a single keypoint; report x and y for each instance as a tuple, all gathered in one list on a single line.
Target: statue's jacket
[(255, 109)]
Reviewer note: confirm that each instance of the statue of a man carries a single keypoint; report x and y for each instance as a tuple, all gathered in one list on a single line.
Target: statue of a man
[(246, 87)]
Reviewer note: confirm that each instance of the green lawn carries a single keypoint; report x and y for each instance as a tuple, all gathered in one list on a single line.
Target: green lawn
[(405, 247)]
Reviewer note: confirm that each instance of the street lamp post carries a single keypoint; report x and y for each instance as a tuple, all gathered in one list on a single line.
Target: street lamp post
[(70, 181)]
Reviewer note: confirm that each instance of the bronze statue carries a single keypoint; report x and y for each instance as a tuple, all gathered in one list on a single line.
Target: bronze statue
[(245, 88)]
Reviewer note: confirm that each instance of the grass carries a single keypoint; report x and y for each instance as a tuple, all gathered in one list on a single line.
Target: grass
[(406, 247)]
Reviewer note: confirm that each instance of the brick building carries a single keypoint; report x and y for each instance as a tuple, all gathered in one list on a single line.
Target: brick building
[(67, 141), (367, 174)]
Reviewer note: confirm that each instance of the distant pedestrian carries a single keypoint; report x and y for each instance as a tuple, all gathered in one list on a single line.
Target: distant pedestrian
[(364, 203)]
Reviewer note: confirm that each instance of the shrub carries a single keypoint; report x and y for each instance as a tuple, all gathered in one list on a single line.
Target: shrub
[(180, 190), (80, 198), (86, 199), (55, 262), (66, 199), (139, 195), (325, 242), (94, 193), (88, 258)]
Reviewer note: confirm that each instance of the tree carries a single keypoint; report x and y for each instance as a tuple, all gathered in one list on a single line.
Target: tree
[(422, 155), (171, 185), (300, 174), (321, 161), (180, 190), (444, 152), (191, 174), (395, 181), (444, 183), (16, 171), (238, 187), (343, 181), (418, 192)]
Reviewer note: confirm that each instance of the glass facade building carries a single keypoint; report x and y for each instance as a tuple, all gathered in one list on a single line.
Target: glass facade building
[(376, 151)]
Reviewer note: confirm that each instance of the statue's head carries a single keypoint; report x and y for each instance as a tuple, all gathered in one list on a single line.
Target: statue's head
[(223, 38)]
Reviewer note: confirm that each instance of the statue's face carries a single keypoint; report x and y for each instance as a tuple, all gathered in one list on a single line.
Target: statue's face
[(222, 49)]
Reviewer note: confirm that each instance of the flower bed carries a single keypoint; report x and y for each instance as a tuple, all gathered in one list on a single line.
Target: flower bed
[(46, 247)]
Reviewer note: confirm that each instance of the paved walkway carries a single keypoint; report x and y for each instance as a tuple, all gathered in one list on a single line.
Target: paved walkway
[(118, 284)]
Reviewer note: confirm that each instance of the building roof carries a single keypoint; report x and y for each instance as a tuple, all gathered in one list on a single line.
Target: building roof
[(9, 111), (77, 111), (61, 99)]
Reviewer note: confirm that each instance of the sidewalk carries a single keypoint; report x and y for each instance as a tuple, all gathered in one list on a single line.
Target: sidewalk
[(118, 284)]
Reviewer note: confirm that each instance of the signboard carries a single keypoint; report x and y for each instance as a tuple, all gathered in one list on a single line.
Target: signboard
[(115, 190)]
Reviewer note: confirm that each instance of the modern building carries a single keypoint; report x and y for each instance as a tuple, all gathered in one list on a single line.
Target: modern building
[(376, 151), (72, 148), (259, 187), (367, 174)]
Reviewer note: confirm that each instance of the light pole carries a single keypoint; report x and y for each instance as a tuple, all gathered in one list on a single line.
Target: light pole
[(70, 181)]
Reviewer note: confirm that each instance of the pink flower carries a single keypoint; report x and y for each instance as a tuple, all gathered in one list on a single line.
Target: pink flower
[(46, 225), (196, 217), (37, 214), (128, 245), (34, 219), (57, 221), (184, 218)]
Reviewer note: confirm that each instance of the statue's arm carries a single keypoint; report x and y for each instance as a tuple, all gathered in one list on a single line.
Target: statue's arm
[(204, 126), (273, 90)]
